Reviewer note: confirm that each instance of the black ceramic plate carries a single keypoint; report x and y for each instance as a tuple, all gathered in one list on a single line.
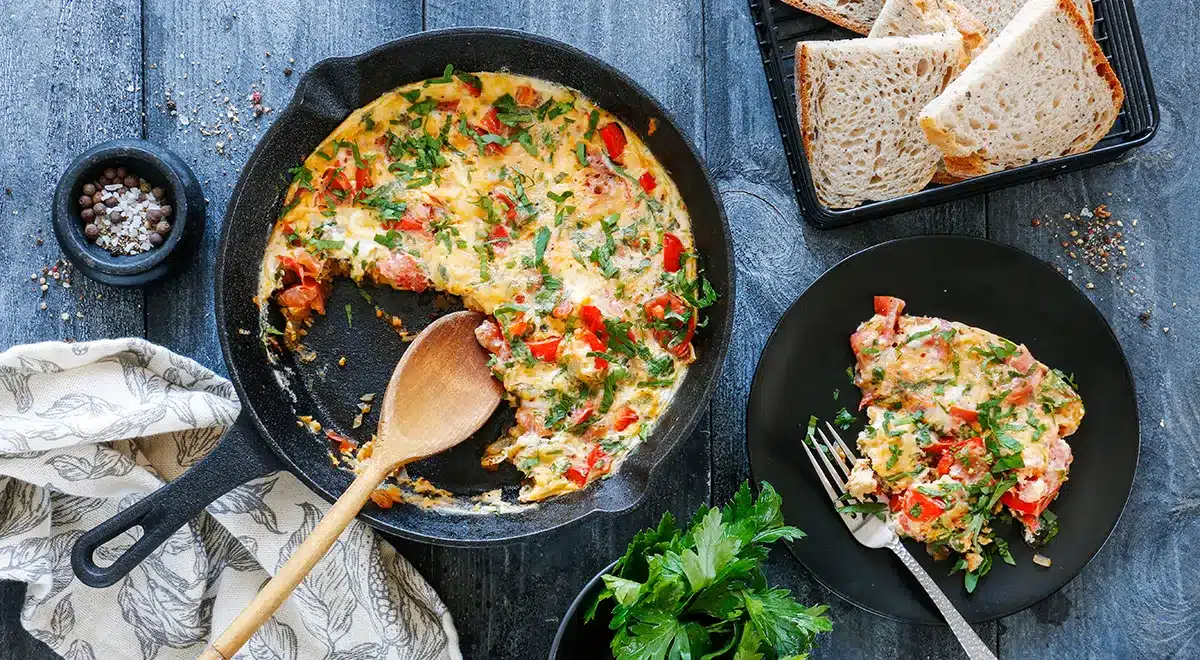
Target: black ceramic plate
[(585, 641), (983, 284)]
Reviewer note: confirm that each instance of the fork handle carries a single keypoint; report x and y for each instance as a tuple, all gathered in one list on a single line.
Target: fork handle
[(971, 643)]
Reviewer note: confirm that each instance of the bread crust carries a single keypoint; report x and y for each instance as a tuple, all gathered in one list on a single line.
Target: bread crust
[(973, 164), (1103, 66), (828, 14)]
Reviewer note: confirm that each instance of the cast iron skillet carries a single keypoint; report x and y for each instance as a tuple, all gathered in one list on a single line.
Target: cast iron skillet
[(266, 436), (983, 284)]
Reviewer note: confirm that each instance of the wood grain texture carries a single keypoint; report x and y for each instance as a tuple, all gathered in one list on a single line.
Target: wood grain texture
[(209, 58), (1138, 598), (68, 78)]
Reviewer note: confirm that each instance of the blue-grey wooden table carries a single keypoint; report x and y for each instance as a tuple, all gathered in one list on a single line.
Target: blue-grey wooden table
[(77, 72)]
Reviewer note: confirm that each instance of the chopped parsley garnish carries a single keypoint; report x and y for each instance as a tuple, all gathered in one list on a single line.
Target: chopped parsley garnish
[(844, 419)]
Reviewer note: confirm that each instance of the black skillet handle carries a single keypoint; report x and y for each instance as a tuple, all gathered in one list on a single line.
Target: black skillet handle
[(239, 457)]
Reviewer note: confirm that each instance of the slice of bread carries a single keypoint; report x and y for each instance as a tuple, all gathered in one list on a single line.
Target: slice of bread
[(858, 102), (996, 14), (904, 18), (857, 15), (1043, 89)]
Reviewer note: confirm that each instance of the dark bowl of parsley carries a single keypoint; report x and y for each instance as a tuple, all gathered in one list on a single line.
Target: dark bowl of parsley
[(696, 590)]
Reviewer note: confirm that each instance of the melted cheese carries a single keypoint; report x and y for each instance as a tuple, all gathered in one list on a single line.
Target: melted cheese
[(506, 191)]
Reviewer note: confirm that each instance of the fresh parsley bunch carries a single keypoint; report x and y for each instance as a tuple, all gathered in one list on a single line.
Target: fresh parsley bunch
[(700, 593)]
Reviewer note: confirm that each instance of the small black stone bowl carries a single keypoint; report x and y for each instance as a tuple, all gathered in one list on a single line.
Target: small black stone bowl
[(154, 164)]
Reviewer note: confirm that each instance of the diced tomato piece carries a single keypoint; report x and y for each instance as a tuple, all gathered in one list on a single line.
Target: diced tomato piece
[(592, 319), (596, 344), (919, 507), (941, 445), (527, 96), (965, 414), (647, 182), (336, 179), (890, 308), (528, 419), (944, 463), (886, 305), (344, 444), (302, 265), (402, 272), (614, 140), (563, 310), (625, 417), (362, 178), (518, 328), (302, 297), (895, 502), (497, 236), (472, 89), (583, 414), (546, 349), (448, 106), (672, 249), (489, 336), (598, 461), (510, 206), (576, 475), (674, 338), (1029, 509), (1022, 360), (491, 122)]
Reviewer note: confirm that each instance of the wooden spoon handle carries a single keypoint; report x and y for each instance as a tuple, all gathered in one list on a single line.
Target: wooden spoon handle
[(277, 590)]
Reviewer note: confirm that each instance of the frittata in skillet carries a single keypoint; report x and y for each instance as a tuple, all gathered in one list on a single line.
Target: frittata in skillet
[(535, 207), (963, 427)]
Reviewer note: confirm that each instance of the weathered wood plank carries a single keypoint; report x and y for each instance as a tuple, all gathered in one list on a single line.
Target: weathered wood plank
[(69, 78), (508, 601), (208, 59), (778, 256), (1138, 598)]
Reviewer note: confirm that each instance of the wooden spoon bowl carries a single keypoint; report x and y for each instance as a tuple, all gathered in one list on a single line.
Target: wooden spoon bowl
[(441, 392)]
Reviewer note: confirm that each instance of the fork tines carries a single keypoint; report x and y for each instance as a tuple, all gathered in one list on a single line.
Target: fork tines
[(842, 456)]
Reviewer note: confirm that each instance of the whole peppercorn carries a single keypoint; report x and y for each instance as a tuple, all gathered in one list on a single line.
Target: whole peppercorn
[(131, 182), (166, 210), (89, 189), (121, 172), (163, 227), (91, 231), (99, 208), (110, 202), (87, 214), (155, 239), (157, 192), (85, 201), (115, 215), (154, 215), (110, 173)]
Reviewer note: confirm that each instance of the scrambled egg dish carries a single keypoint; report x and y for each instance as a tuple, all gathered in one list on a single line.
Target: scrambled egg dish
[(538, 209), (963, 426)]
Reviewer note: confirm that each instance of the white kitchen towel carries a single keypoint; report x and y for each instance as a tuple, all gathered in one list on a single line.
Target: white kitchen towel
[(87, 429)]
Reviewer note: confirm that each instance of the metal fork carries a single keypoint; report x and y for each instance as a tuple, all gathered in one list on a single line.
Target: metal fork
[(873, 532)]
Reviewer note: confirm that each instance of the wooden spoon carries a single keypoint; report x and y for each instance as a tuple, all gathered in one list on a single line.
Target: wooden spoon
[(441, 392)]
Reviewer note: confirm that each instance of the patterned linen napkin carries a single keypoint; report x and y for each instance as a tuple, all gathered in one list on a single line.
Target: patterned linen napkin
[(87, 429)]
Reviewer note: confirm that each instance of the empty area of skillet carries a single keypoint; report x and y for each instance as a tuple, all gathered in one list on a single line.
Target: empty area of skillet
[(982, 284), (275, 397)]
